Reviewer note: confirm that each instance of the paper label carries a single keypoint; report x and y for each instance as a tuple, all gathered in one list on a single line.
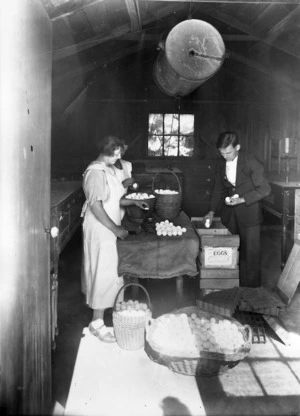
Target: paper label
[(218, 256)]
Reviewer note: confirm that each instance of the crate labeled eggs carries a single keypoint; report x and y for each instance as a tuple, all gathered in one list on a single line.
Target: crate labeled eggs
[(167, 228)]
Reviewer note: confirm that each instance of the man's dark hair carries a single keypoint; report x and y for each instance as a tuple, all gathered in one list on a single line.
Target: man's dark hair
[(109, 144), (226, 139)]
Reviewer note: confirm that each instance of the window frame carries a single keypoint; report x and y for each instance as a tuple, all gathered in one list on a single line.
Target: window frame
[(172, 157)]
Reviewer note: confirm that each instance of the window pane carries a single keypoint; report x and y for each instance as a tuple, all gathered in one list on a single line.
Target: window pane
[(171, 146), (171, 123), (186, 145), (155, 147), (187, 124), (155, 123)]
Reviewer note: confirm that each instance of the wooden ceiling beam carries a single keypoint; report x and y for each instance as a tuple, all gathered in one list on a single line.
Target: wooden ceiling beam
[(277, 30), (255, 65), (84, 69), (283, 22), (229, 1), (134, 15), (237, 24), (80, 8), (64, 52)]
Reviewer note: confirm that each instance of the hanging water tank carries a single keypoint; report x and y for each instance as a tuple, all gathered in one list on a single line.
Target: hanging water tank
[(193, 52)]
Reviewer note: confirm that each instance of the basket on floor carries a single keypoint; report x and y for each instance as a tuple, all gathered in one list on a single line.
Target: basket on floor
[(167, 205), (203, 363), (129, 327)]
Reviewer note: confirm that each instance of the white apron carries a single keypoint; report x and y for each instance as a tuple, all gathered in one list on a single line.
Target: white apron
[(100, 281)]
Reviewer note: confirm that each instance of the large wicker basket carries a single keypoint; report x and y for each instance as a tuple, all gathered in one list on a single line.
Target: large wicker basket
[(130, 330), (167, 205), (206, 363)]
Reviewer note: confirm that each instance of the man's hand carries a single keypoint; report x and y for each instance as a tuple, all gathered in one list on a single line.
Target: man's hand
[(208, 218), (231, 201)]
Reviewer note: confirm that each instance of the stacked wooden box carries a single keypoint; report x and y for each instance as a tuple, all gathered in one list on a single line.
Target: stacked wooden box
[(218, 257)]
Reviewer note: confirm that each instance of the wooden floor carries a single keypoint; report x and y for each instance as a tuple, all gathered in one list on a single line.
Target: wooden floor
[(275, 368)]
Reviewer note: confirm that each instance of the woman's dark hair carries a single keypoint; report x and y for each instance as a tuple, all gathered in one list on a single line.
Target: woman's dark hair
[(109, 144), (226, 139)]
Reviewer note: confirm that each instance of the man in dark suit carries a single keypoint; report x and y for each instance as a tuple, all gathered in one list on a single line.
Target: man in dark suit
[(240, 184)]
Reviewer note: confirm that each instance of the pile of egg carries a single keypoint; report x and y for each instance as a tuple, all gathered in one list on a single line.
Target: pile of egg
[(221, 336), (188, 335), (139, 195), (131, 308), (167, 228), (165, 192)]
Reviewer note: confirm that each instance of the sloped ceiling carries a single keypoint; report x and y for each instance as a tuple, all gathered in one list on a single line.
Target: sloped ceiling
[(88, 34)]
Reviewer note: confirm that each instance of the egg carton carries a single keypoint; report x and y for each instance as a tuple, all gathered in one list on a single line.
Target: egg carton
[(223, 302)]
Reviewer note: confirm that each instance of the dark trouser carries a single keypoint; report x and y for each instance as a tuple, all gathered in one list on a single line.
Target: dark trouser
[(250, 253)]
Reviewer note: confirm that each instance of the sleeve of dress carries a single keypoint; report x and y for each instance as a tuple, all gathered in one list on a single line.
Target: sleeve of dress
[(95, 186)]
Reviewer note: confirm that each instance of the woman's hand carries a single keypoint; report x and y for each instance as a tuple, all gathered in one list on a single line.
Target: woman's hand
[(141, 204), (120, 232), (128, 182)]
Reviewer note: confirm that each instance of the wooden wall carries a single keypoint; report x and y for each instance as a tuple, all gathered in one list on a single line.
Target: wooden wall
[(120, 98), (25, 75)]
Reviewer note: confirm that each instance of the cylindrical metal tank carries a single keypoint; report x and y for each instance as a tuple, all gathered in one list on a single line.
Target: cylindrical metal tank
[(193, 52)]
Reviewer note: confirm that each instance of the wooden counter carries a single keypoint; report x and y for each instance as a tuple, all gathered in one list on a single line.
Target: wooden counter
[(281, 203)]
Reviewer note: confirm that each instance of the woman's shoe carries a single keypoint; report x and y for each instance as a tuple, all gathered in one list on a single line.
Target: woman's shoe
[(102, 332)]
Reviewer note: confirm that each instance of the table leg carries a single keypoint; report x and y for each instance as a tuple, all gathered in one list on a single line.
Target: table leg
[(179, 289)]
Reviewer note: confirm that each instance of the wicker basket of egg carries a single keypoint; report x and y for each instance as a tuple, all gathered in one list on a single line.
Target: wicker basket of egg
[(168, 202), (130, 318), (136, 213), (197, 343)]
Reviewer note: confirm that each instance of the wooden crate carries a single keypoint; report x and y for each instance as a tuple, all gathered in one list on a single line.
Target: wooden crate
[(216, 228), (219, 251)]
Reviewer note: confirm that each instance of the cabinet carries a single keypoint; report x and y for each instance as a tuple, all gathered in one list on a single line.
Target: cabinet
[(67, 199)]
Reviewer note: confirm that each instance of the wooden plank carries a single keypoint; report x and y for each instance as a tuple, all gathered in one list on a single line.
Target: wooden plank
[(219, 273), (25, 152), (219, 283), (290, 276), (297, 215), (278, 327), (232, 240)]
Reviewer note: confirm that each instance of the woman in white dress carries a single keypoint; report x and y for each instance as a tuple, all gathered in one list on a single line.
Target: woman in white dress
[(101, 227)]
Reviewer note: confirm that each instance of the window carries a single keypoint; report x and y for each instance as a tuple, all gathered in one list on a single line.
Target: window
[(171, 135)]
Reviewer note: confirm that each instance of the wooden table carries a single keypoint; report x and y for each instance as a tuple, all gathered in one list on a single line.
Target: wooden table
[(147, 255), (67, 199), (281, 203)]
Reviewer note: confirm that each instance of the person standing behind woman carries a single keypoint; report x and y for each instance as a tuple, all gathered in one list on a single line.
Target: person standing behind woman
[(123, 171), (240, 184), (101, 228)]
